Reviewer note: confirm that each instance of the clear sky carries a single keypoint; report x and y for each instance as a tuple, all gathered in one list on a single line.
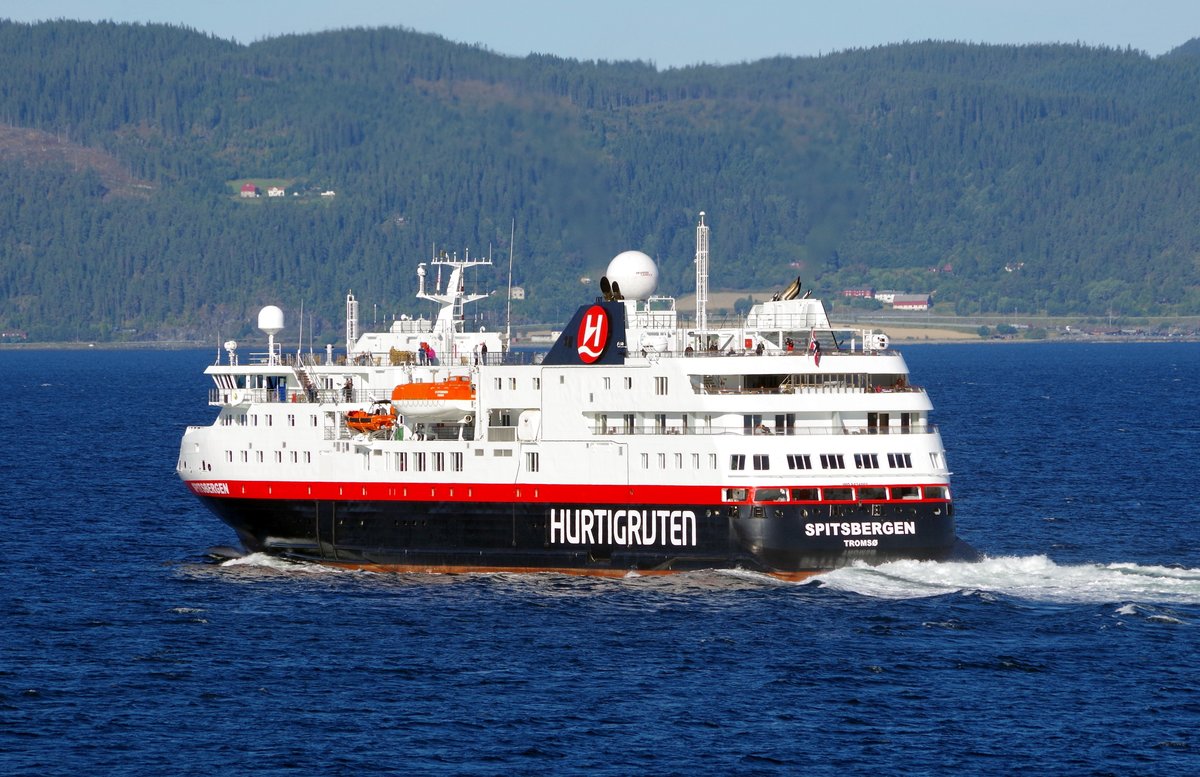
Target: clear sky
[(668, 33)]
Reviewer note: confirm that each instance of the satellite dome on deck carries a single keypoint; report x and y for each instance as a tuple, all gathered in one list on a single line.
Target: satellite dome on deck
[(635, 273), (270, 320)]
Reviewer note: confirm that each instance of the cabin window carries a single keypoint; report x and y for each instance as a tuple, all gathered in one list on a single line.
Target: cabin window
[(537, 384), (531, 461), (419, 461), (628, 420), (628, 382), (645, 461), (245, 457), (839, 494), (762, 462), (906, 492), (660, 385), (229, 457), (799, 461), (872, 493), (678, 461), (291, 419), (866, 460), (937, 492), (439, 461), (607, 383), (805, 495), (308, 457), (737, 461), (278, 457), (695, 461), (712, 461), (512, 383), (662, 461), (499, 383), (900, 460), (503, 453), (313, 420), (402, 462), (660, 423), (270, 420), (735, 495), (258, 456), (832, 461), (295, 457), (456, 461)]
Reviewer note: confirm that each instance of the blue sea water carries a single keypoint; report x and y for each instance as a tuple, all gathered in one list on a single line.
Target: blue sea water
[(1073, 648)]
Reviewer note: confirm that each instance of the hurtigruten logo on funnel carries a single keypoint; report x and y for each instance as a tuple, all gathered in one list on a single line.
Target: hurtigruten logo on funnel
[(593, 334)]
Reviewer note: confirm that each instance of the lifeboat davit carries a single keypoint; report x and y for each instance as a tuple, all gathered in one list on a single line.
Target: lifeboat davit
[(376, 419), (452, 399)]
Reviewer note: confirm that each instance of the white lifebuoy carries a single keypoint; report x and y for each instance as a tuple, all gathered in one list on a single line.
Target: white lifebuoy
[(235, 397), (881, 342)]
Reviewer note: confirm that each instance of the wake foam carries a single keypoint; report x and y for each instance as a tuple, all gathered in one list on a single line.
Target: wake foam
[(263, 561), (1035, 578)]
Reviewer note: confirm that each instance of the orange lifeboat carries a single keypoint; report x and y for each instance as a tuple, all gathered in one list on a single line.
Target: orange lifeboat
[(377, 419), (452, 399)]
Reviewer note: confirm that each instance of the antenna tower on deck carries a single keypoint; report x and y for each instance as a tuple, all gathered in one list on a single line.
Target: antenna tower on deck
[(702, 281), (351, 324), (508, 309)]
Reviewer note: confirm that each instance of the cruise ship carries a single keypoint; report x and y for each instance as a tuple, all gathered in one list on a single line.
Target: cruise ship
[(642, 441)]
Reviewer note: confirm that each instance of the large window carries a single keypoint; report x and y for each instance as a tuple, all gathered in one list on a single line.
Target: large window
[(866, 460), (799, 461), (832, 461)]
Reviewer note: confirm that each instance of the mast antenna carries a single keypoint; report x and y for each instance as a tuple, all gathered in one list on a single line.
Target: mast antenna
[(702, 281), (508, 304), (300, 335)]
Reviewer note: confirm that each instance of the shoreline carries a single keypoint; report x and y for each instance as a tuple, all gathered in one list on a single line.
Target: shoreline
[(900, 336)]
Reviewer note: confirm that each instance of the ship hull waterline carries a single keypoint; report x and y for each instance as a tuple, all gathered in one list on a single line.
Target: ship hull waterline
[(789, 541)]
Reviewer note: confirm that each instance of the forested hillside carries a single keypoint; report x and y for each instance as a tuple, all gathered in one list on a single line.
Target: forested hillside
[(1061, 179)]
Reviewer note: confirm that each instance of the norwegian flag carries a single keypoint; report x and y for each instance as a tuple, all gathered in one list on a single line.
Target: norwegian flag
[(814, 347)]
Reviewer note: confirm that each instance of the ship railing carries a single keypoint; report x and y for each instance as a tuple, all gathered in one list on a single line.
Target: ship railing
[(764, 430), (825, 388), (798, 352), (297, 394)]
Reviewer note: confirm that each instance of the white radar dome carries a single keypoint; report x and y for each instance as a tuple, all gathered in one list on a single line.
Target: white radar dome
[(635, 273), (270, 319)]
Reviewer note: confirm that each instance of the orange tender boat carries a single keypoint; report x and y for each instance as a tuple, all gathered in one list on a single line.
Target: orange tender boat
[(375, 420)]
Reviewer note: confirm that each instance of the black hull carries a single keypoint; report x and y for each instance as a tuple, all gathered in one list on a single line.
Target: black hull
[(786, 539)]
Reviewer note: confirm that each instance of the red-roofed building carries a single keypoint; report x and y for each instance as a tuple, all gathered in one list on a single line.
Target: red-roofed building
[(249, 190)]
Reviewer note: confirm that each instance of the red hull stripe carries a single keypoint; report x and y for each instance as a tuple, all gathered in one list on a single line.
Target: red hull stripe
[(557, 493)]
